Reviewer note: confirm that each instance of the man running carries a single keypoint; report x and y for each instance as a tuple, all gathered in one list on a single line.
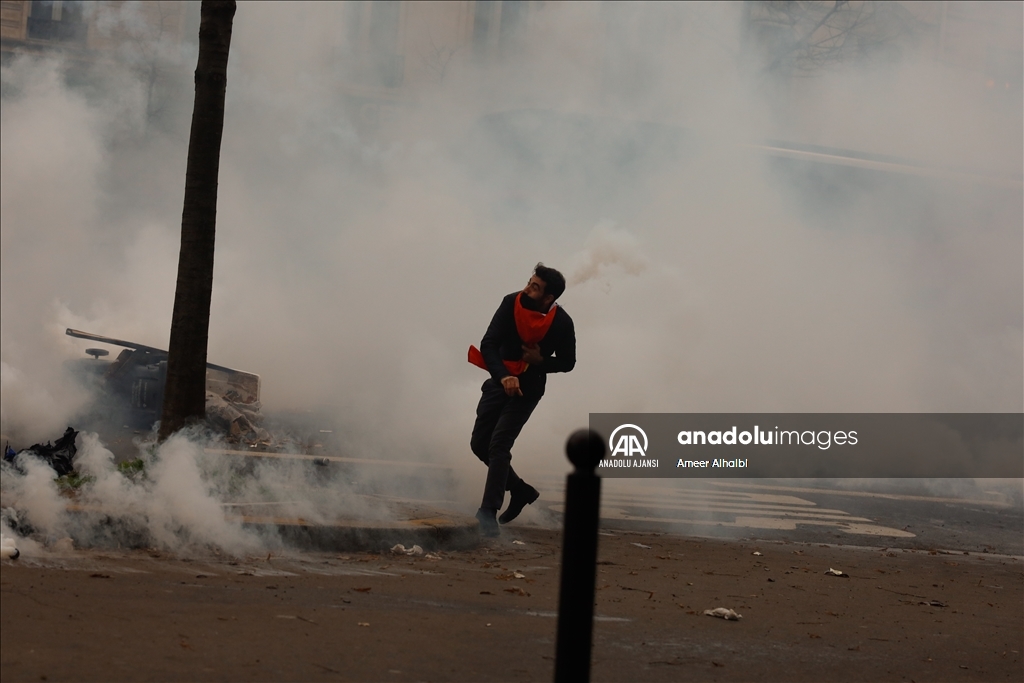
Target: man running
[(529, 337)]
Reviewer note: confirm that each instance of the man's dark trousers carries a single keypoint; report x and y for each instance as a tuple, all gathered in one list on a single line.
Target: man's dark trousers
[(499, 419)]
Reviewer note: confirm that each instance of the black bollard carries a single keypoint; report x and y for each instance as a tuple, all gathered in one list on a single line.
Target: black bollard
[(585, 449)]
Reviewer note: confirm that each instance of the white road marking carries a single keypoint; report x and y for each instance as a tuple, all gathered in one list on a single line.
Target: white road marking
[(718, 504)]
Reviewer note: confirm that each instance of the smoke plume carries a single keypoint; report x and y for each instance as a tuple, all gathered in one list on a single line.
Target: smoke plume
[(361, 249)]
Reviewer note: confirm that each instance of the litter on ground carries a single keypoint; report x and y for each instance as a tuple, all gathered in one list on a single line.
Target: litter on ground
[(399, 549), (933, 603), (723, 613)]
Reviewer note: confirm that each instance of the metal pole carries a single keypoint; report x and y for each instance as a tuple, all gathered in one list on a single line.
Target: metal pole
[(585, 449)]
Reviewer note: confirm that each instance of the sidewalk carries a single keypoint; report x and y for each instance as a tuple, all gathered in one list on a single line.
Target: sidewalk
[(488, 614)]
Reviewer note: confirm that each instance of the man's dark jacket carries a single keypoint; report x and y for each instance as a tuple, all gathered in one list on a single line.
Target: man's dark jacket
[(502, 342)]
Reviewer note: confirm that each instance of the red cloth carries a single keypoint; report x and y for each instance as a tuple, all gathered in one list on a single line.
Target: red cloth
[(532, 326)]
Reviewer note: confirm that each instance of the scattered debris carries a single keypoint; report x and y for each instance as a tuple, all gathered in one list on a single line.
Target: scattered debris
[(836, 572), (399, 549), (933, 603), (59, 455), (134, 384), (239, 419), (757, 553), (723, 613), (517, 542), (650, 594), (518, 575), (517, 591), (641, 545)]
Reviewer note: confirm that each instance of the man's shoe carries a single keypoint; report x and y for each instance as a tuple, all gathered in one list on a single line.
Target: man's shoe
[(520, 499), (488, 524)]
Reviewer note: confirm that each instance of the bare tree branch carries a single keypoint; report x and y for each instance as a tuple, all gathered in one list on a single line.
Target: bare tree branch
[(437, 58), (807, 36)]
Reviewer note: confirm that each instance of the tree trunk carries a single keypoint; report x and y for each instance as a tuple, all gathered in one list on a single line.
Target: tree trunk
[(185, 390)]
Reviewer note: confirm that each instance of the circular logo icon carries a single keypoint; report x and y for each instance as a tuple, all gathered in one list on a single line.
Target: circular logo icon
[(628, 442)]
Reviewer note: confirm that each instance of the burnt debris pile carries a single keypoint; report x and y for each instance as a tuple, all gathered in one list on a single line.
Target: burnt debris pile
[(128, 393), (238, 422), (59, 455)]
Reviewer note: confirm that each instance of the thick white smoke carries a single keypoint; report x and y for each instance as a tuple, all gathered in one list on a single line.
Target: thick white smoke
[(183, 495), (355, 265)]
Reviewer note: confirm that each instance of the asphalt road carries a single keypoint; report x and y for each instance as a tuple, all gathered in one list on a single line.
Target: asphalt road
[(946, 515), (488, 613)]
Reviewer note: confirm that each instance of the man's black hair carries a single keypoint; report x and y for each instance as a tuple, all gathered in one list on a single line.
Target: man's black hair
[(554, 282)]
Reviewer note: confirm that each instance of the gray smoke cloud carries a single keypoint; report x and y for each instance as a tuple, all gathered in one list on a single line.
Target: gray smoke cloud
[(355, 266), (188, 496)]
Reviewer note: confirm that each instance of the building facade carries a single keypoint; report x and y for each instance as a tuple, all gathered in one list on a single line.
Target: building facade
[(91, 29), (384, 53)]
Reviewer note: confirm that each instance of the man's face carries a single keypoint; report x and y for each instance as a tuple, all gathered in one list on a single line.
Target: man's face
[(534, 290)]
